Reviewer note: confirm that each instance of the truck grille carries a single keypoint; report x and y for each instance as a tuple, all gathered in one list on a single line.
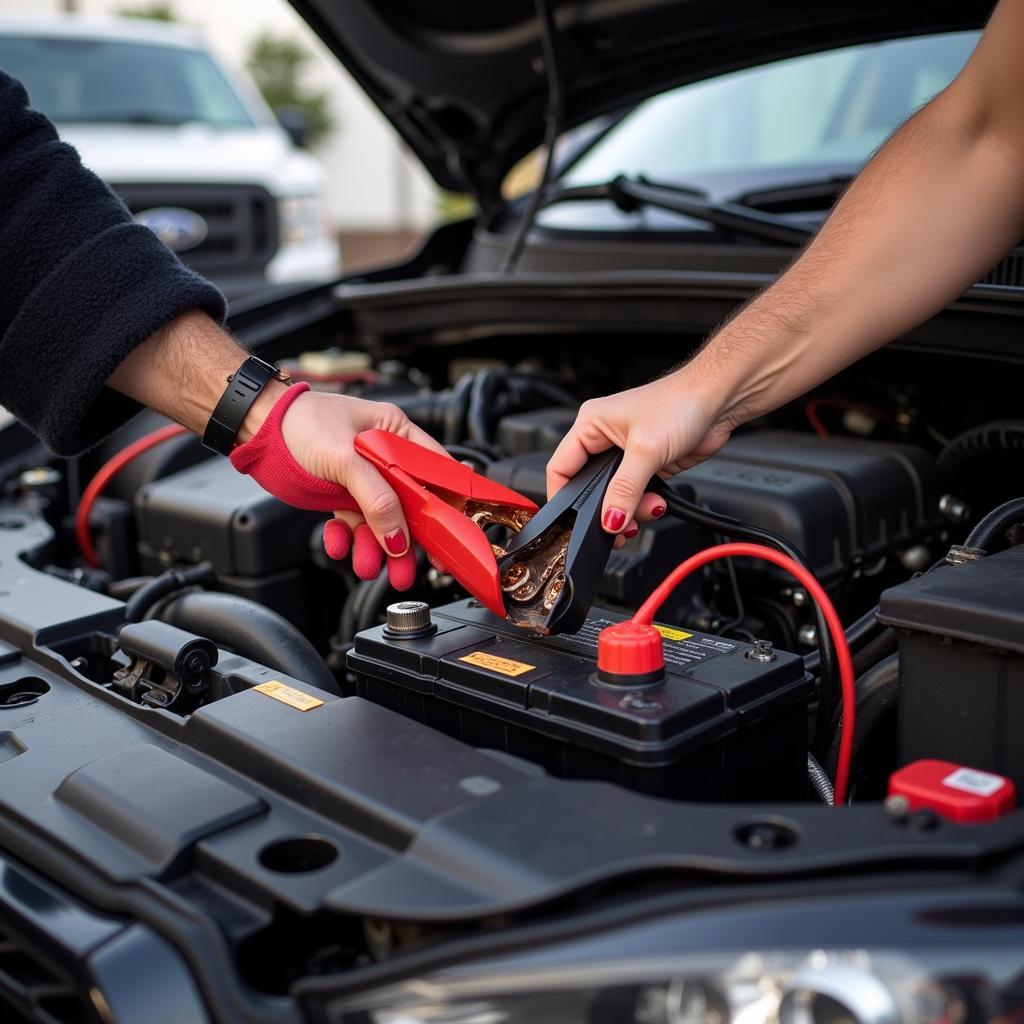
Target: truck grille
[(241, 222)]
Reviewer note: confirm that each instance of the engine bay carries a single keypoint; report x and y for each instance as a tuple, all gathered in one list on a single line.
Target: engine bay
[(215, 722)]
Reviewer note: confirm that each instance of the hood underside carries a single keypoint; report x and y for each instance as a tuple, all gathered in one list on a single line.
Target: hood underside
[(464, 82)]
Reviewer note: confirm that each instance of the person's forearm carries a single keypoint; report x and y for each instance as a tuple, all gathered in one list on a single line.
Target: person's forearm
[(934, 210), (182, 370)]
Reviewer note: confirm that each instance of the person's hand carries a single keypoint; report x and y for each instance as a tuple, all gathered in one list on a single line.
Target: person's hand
[(319, 431), (663, 427)]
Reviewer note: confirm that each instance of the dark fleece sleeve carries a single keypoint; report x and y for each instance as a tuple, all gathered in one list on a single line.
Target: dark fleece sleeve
[(80, 284)]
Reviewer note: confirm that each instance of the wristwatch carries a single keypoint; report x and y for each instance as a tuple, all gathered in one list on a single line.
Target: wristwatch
[(244, 387)]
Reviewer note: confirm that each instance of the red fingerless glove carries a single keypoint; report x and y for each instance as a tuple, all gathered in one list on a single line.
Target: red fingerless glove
[(268, 461)]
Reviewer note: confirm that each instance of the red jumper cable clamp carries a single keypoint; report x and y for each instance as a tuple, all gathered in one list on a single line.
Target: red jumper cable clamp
[(547, 578), (446, 505)]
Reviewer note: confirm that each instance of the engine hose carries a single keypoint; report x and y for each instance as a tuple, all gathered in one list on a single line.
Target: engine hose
[(876, 693), (464, 453), (875, 650), (820, 781), (166, 583), (990, 534), (455, 413), (545, 388), (963, 451), (716, 522), (859, 634), (251, 630), (485, 384)]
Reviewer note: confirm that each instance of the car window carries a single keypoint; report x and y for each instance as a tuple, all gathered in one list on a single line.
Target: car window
[(112, 81), (828, 108)]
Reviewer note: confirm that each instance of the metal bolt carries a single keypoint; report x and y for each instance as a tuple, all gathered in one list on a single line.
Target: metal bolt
[(915, 558), (954, 509), (898, 807), (762, 651), (799, 598), (808, 635), (43, 476)]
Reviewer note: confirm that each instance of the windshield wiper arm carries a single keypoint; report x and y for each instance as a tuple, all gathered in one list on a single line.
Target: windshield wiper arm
[(630, 194)]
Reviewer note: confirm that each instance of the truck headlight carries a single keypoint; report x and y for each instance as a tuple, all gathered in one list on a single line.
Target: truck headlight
[(301, 217), (793, 987)]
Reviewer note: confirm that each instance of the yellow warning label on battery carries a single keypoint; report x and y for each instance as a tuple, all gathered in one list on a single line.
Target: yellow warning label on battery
[(672, 634), (505, 666), (289, 695)]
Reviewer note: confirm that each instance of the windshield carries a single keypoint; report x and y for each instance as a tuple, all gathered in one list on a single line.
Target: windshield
[(831, 108), (113, 82)]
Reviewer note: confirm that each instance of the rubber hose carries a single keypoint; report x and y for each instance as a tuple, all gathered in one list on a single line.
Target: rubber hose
[(716, 522), (992, 529), (964, 450), (875, 650), (859, 634), (552, 392), (466, 454), (877, 692), (455, 413), (485, 385), (251, 630), (166, 583)]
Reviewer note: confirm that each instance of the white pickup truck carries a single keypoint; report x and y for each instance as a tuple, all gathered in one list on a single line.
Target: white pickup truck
[(191, 148)]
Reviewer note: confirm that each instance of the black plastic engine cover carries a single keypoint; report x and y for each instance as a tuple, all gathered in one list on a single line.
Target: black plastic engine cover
[(842, 502), (213, 512)]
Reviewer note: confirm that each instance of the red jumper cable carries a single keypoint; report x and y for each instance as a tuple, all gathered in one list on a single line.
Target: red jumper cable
[(106, 473), (633, 647)]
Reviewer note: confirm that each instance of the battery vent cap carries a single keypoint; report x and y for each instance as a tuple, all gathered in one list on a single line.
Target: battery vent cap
[(953, 790), (630, 654)]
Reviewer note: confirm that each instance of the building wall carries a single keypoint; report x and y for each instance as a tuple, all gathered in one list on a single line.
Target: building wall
[(375, 185)]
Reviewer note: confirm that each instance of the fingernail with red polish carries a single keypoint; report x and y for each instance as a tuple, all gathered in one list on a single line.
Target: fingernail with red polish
[(395, 542), (613, 519), (658, 511), (631, 533)]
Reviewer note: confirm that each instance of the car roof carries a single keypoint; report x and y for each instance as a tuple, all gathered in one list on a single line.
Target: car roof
[(77, 26)]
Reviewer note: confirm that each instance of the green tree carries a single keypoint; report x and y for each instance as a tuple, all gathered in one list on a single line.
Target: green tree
[(155, 11), (278, 67)]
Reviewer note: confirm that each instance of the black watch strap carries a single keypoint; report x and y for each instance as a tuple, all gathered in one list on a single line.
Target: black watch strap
[(244, 387)]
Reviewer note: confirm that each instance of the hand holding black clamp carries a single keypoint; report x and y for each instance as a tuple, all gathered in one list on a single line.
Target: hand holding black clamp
[(552, 569)]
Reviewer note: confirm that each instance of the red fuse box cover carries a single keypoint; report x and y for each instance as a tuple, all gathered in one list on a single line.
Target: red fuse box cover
[(953, 790)]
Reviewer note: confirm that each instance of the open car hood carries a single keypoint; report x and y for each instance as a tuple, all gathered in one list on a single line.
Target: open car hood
[(464, 83)]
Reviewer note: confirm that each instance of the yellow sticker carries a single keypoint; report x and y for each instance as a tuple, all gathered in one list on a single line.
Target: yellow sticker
[(289, 695), (672, 634), (506, 666)]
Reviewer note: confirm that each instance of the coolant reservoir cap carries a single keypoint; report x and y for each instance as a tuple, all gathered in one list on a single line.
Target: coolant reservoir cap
[(408, 618), (630, 654)]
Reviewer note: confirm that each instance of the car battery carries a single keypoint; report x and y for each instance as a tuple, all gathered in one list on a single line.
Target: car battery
[(718, 726), (961, 637)]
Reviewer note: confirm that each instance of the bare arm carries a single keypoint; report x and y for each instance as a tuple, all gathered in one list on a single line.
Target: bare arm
[(181, 371), (936, 208)]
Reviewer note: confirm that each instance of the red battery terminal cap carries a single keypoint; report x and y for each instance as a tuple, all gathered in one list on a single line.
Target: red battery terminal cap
[(630, 653), (953, 790)]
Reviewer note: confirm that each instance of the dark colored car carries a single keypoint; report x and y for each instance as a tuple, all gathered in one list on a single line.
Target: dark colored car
[(235, 787)]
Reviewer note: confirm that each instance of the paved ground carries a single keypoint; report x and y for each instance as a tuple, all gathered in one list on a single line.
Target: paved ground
[(367, 249)]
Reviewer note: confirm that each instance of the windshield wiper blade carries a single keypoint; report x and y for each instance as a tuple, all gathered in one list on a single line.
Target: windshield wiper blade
[(630, 194)]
